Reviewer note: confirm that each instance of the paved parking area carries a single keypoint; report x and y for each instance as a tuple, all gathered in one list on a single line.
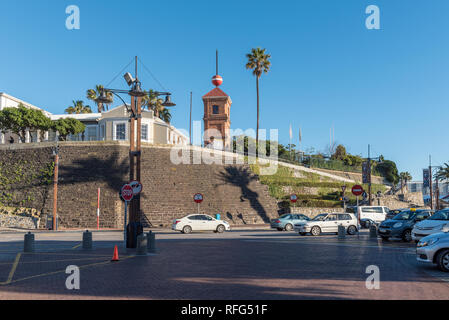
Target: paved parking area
[(242, 264)]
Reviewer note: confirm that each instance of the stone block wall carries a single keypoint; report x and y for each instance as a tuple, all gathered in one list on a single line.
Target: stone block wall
[(168, 189)]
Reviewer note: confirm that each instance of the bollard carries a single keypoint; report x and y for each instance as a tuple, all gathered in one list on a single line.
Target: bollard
[(87, 240), (151, 242), (29, 242), (373, 231), (341, 232), (142, 245)]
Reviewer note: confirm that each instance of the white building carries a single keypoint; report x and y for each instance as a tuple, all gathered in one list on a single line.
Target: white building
[(112, 125)]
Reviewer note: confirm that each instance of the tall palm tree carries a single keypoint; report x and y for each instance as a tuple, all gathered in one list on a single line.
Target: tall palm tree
[(443, 172), (404, 177), (93, 94), (258, 61), (152, 101), (78, 107)]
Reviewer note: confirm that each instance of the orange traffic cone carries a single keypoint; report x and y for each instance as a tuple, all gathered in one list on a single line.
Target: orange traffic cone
[(115, 256)]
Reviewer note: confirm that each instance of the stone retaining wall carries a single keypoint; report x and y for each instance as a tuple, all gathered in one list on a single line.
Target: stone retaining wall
[(12, 221), (313, 212)]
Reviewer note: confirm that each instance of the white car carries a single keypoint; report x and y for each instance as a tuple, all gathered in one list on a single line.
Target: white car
[(328, 222), (434, 224), (200, 222), (369, 213)]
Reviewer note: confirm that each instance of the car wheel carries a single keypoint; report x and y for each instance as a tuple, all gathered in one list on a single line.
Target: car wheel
[(315, 231), (221, 228), (443, 260), (288, 227), (187, 229), (352, 230), (407, 235)]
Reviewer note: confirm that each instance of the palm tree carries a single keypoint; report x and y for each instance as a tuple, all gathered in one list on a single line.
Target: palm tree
[(165, 115), (152, 101), (404, 177), (443, 172), (258, 61), (93, 94), (78, 107)]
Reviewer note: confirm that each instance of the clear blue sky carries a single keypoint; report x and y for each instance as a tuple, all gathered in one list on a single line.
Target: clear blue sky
[(385, 87)]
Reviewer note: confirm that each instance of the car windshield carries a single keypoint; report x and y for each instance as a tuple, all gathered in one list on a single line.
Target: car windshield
[(406, 215), (351, 210), (320, 217), (440, 215)]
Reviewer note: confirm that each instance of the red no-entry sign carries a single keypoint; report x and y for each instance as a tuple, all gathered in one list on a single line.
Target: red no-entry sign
[(357, 190), (198, 198), (127, 192), (293, 198)]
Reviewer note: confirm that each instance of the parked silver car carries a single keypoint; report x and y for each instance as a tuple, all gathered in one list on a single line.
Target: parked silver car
[(328, 223), (435, 249)]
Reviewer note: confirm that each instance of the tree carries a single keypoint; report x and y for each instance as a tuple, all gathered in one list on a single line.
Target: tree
[(152, 101), (443, 172), (404, 177), (19, 120), (258, 61), (78, 107), (340, 153), (389, 171), (165, 115), (68, 126), (93, 94)]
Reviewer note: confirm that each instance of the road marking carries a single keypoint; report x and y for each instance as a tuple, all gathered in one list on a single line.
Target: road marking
[(13, 269), (49, 261), (77, 246), (63, 271), (329, 244)]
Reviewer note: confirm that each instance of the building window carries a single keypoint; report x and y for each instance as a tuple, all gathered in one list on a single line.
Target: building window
[(120, 131), (102, 132), (215, 109), (144, 132), (91, 133)]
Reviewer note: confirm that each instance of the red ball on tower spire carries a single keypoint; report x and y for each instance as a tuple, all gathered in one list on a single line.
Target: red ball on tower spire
[(217, 80)]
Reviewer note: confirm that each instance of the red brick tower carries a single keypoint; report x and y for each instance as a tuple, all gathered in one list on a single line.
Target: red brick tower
[(217, 115)]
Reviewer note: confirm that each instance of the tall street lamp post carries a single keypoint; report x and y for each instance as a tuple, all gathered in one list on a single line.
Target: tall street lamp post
[(134, 227)]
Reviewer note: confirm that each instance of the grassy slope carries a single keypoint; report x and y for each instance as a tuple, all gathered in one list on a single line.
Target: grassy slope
[(312, 189)]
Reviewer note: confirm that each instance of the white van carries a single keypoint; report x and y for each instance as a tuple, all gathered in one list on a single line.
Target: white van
[(369, 213)]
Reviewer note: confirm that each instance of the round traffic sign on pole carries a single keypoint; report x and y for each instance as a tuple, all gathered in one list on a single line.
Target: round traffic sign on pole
[(137, 187), (127, 192), (357, 190), (198, 198), (294, 198)]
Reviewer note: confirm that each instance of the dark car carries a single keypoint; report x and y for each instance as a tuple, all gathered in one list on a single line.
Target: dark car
[(402, 224), (392, 213)]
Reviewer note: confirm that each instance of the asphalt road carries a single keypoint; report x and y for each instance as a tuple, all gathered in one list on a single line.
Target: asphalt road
[(243, 264)]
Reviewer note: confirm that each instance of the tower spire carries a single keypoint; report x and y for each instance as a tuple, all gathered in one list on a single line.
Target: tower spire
[(217, 80)]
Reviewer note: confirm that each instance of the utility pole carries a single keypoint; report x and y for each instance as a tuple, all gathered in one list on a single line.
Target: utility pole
[(135, 151), (55, 187), (437, 194), (369, 169), (190, 123), (431, 182)]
